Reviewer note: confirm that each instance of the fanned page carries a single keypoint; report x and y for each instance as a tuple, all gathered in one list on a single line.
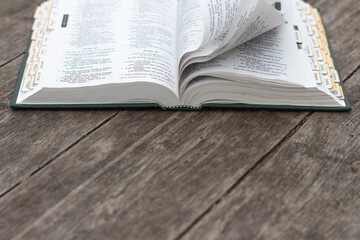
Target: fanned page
[(118, 51), (209, 28), (289, 65), (88, 49), (177, 53)]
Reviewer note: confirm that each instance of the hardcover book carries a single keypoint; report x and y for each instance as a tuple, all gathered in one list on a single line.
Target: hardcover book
[(179, 54)]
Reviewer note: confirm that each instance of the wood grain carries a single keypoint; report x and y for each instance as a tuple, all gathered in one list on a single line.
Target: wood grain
[(10, 8), (30, 139), (307, 189), (164, 175), (15, 33), (162, 182)]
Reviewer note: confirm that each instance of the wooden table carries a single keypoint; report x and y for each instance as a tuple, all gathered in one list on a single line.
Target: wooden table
[(152, 174)]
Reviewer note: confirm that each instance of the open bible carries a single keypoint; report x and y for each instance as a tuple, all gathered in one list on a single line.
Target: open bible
[(179, 54)]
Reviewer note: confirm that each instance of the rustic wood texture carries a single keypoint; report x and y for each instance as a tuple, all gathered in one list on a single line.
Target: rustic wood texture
[(16, 19), (150, 174), (308, 188), (30, 139)]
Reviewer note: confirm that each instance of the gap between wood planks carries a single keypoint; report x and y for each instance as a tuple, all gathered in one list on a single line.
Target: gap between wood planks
[(219, 200), (11, 60), (59, 155), (289, 135), (252, 168), (9, 94)]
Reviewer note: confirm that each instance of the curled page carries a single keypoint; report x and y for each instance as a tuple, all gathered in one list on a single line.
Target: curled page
[(225, 25), (261, 18)]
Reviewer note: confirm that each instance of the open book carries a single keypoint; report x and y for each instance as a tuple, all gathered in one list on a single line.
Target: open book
[(179, 54)]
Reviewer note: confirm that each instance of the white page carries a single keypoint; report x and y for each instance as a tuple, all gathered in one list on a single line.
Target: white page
[(114, 41), (268, 57), (191, 26), (211, 26), (230, 23), (258, 19)]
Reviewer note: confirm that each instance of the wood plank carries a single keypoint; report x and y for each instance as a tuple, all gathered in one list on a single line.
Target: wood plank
[(39, 199), (247, 213), (13, 7), (346, 49), (15, 30), (158, 185), (30, 139), (307, 189), (8, 76)]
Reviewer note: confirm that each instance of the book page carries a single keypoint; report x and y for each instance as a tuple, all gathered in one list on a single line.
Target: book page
[(229, 23), (258, 19), (115, 41), (268, 57), (191, 27), (203, 21)]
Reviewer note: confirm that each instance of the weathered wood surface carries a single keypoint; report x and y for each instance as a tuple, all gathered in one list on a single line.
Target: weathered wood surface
[(16, 17), (179, 175), (308, 188), (31, 139)]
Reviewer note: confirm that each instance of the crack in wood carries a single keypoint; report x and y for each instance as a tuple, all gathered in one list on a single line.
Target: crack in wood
[(247, 173), (102, 170), (253, 167), (58, 155), (11, 60)]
